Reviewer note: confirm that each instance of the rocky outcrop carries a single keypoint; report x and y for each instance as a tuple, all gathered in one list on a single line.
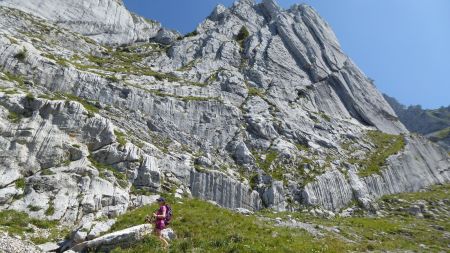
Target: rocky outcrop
[(420, 165), (223, 190), (121, 238), (259, 107), (331, 190), (106, 21)]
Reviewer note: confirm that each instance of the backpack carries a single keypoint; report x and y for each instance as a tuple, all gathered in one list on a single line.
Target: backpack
[(169, 215)]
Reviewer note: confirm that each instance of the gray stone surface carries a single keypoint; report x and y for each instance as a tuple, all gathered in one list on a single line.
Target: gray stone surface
[(107, 242), (223, 190), (104, 21), (169, 234), (9, 244), (49, 247), (269, 121)]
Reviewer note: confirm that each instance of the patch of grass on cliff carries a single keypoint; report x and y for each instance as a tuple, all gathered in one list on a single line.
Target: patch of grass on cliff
[(21, 55), (385, 146), (203, 227), (242, 36), (121, 138), (20, 183), (255, 92), (87, 105), (17, 223), (14, 117), (14, 78), (58, 60), (102, 168)]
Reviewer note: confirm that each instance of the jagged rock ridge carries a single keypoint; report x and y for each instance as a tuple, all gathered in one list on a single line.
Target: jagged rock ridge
[(273, 119), (434, 124)]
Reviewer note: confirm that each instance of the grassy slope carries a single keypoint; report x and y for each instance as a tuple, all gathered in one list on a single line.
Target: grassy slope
[(202, 227)]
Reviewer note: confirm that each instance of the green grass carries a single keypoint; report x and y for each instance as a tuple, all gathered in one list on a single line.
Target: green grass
[(434, 193), (87, 105), (51, 209), (20, 183), (102, 168), (121, 138), (58, 60), (301, 147), (252, 91), (265, 163), (14, 78), (14, 117), (34, 208), (325, 117), (203, 227), (398, 231), (385, 146), (16, 223)]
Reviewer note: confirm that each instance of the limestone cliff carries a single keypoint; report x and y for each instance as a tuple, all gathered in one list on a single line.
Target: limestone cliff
[(259, 107)]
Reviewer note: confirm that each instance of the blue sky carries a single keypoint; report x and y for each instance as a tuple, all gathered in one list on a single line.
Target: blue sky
[(404, 45)]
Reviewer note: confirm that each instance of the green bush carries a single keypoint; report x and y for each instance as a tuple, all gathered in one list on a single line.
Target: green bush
[(14, 117), (51, 209), (191, 34), (243, 34), (22, 55), (121, 138), (34, 208), (20, 183)]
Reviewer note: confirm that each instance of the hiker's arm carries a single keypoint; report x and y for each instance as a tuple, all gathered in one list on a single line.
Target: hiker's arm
[(163, 215)]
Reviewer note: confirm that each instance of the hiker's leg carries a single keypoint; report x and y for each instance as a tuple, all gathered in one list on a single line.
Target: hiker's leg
[(164, 241), (161, 238)]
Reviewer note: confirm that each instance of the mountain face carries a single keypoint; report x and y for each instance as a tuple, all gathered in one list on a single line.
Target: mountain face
[(259, 107), (105, 21), (434, 124)]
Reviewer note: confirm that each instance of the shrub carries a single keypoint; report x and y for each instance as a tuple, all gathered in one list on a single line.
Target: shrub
[(33, 208), (30, 97), (22, 55), (14, 117), (121, 138), (51, 209), (243, 34), (20, 183), (191, 34)]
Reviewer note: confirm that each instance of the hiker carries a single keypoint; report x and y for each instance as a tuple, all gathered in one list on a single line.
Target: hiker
[(162, 217)]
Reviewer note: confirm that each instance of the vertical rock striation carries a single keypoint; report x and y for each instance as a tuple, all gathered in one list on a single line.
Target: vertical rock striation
[(258, 107)]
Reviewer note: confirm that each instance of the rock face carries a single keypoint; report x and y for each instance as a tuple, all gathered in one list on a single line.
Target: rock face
[(110, 241), (223, 190), (105, 21), (259, 107)]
